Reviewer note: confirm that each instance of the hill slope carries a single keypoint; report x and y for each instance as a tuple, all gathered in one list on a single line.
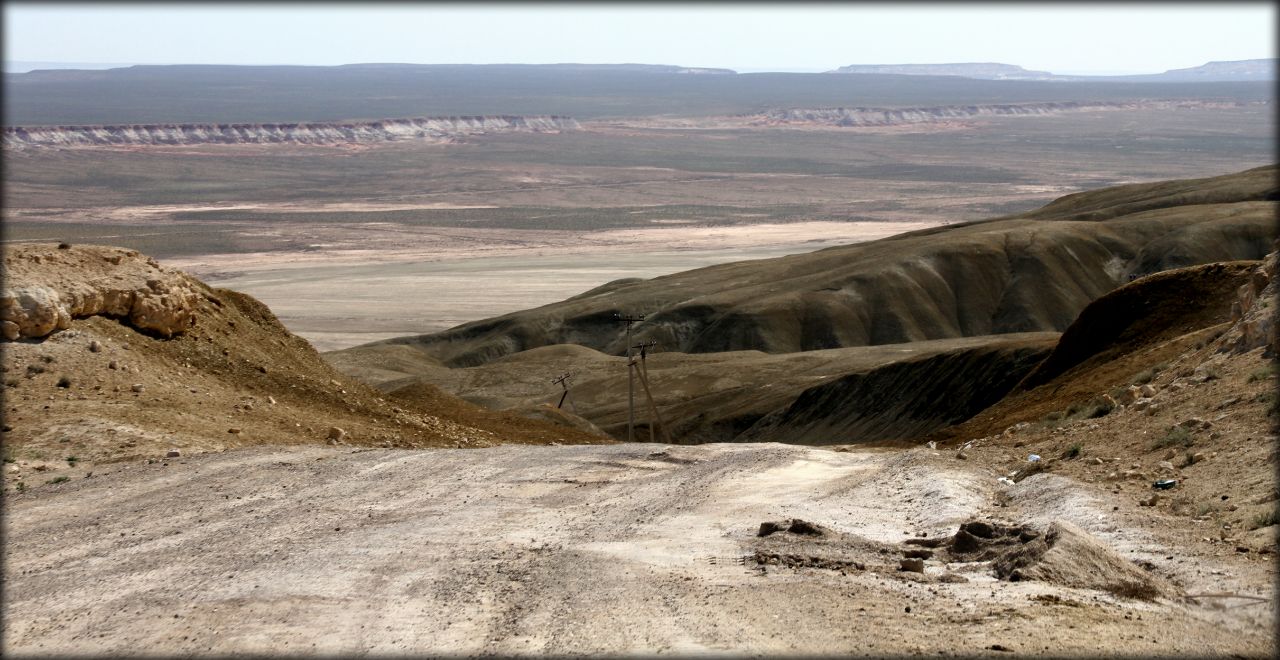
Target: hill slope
[(1032, 272), (109, 356)]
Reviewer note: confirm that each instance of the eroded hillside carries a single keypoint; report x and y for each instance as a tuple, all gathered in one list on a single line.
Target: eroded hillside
[(1033, 272), (110, 356)]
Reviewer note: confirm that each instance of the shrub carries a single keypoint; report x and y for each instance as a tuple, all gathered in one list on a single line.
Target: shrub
[(58, 480), (1177, 436), (1264, 373), (1143, 377), (1073, 451), (1266, 519)]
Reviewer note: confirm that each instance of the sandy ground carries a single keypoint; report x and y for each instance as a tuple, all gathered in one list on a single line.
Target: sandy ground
[(592, 549), (437, 278)]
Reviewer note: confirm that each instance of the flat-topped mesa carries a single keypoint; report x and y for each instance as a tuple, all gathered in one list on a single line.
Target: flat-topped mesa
[(921, 115), (382, 130)]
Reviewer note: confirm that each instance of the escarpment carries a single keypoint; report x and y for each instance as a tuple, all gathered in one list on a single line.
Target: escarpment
[(862, 116), (420, 128)]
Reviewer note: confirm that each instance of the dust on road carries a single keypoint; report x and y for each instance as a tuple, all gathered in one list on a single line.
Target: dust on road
[(596, 549)]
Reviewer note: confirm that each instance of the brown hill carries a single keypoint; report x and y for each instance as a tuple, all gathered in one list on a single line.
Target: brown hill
[(1162, 393), (890, 391), (1032, 272), (115, 357), (1120, 340)]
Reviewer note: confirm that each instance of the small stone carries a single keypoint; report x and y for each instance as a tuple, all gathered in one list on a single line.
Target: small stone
[(1147, 390), (271, 400), (1098, 461), (113, 365), (962, 456), (911, 564), (95, 346), (1195, 423), (138, 387), (173, 453), (234, 431), (1128, 395), (336, 434), (1165, 466), (1153, 409), (64, 382)]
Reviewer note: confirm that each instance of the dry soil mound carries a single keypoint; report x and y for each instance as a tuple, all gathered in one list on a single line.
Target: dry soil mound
[(1071, 557)]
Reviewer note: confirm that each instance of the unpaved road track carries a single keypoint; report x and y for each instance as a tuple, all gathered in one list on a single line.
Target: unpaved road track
[(627, 548)]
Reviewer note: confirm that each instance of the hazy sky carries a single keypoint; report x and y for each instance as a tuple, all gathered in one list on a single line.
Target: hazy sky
[(1062, 38)]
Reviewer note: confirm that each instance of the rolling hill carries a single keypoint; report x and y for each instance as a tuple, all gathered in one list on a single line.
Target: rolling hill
[(1027, 273)]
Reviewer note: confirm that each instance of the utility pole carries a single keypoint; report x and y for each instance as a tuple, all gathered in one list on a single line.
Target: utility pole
[(643, 371), (563, 381), (631, 385)]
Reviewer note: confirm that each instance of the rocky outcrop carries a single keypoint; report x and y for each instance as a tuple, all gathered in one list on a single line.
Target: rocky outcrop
[(1253, 314), (422, 128), (851, 117), (47, 286)]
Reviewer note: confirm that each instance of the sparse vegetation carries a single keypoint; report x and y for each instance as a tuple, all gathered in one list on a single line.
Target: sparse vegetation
[(1091, 409), (1176, 437), (1265, 519), (59, 480), (72, 460), (1073, 451), (1265, 373), (1147, 375), (21, 487)]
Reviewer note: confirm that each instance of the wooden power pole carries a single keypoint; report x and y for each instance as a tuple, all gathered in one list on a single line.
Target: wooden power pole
[(631, 386), (643, 372), (563, 381)]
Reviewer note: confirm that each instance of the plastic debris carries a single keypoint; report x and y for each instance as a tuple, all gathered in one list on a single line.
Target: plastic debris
[(1033, 458), (1006, 481), (1165, 484)]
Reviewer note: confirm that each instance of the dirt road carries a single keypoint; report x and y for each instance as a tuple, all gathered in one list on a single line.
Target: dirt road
[(624, 548)]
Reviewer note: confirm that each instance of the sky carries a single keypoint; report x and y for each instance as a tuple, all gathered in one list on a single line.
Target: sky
[(1070, 38)]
